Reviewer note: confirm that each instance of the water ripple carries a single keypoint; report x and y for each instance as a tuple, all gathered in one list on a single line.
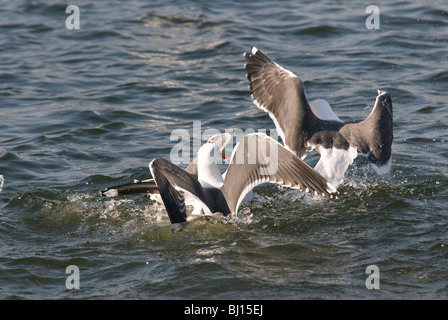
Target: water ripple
[(89, 108)]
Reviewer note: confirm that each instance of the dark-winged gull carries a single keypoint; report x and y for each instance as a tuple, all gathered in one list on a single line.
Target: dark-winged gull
[(255, 160), (306, 126), (149, 186)]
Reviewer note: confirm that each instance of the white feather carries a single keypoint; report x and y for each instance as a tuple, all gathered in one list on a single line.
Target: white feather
[(321, 109), (334, 162)]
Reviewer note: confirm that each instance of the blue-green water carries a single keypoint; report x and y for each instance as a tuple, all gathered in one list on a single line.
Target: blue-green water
[(88, 108)]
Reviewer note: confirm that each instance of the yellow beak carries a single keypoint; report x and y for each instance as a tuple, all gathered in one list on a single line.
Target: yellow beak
[(223, 156)]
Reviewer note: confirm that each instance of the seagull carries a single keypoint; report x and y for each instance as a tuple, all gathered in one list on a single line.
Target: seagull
[(305, 126), (149, 185), (255, 160)]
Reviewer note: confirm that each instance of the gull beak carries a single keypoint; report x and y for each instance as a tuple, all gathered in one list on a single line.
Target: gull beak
[(223, 156)]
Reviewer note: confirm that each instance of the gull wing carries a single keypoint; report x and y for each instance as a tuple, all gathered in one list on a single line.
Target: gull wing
[(258, 159)]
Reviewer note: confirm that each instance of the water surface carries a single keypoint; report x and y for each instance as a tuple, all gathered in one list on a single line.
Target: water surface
[(85, 109)]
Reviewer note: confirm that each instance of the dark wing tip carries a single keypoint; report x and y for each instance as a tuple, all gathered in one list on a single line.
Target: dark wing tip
[(174, 202), (110, 192), (178, 227), (256, 56), (131, 188), (385, 99)]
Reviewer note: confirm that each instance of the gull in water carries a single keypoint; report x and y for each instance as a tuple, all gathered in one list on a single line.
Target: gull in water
[(255, 160), (149, 185)]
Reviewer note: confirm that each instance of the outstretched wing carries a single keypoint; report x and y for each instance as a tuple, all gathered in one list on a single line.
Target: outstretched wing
[(173, 182), (149, 186), (373, 136), (281, 94), (260, 159)]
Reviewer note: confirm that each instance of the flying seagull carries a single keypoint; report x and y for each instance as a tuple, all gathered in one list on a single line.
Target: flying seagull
[(305, 126), (256, 159)]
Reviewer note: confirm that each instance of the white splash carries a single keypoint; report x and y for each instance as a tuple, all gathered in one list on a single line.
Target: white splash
[(381, 170)]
